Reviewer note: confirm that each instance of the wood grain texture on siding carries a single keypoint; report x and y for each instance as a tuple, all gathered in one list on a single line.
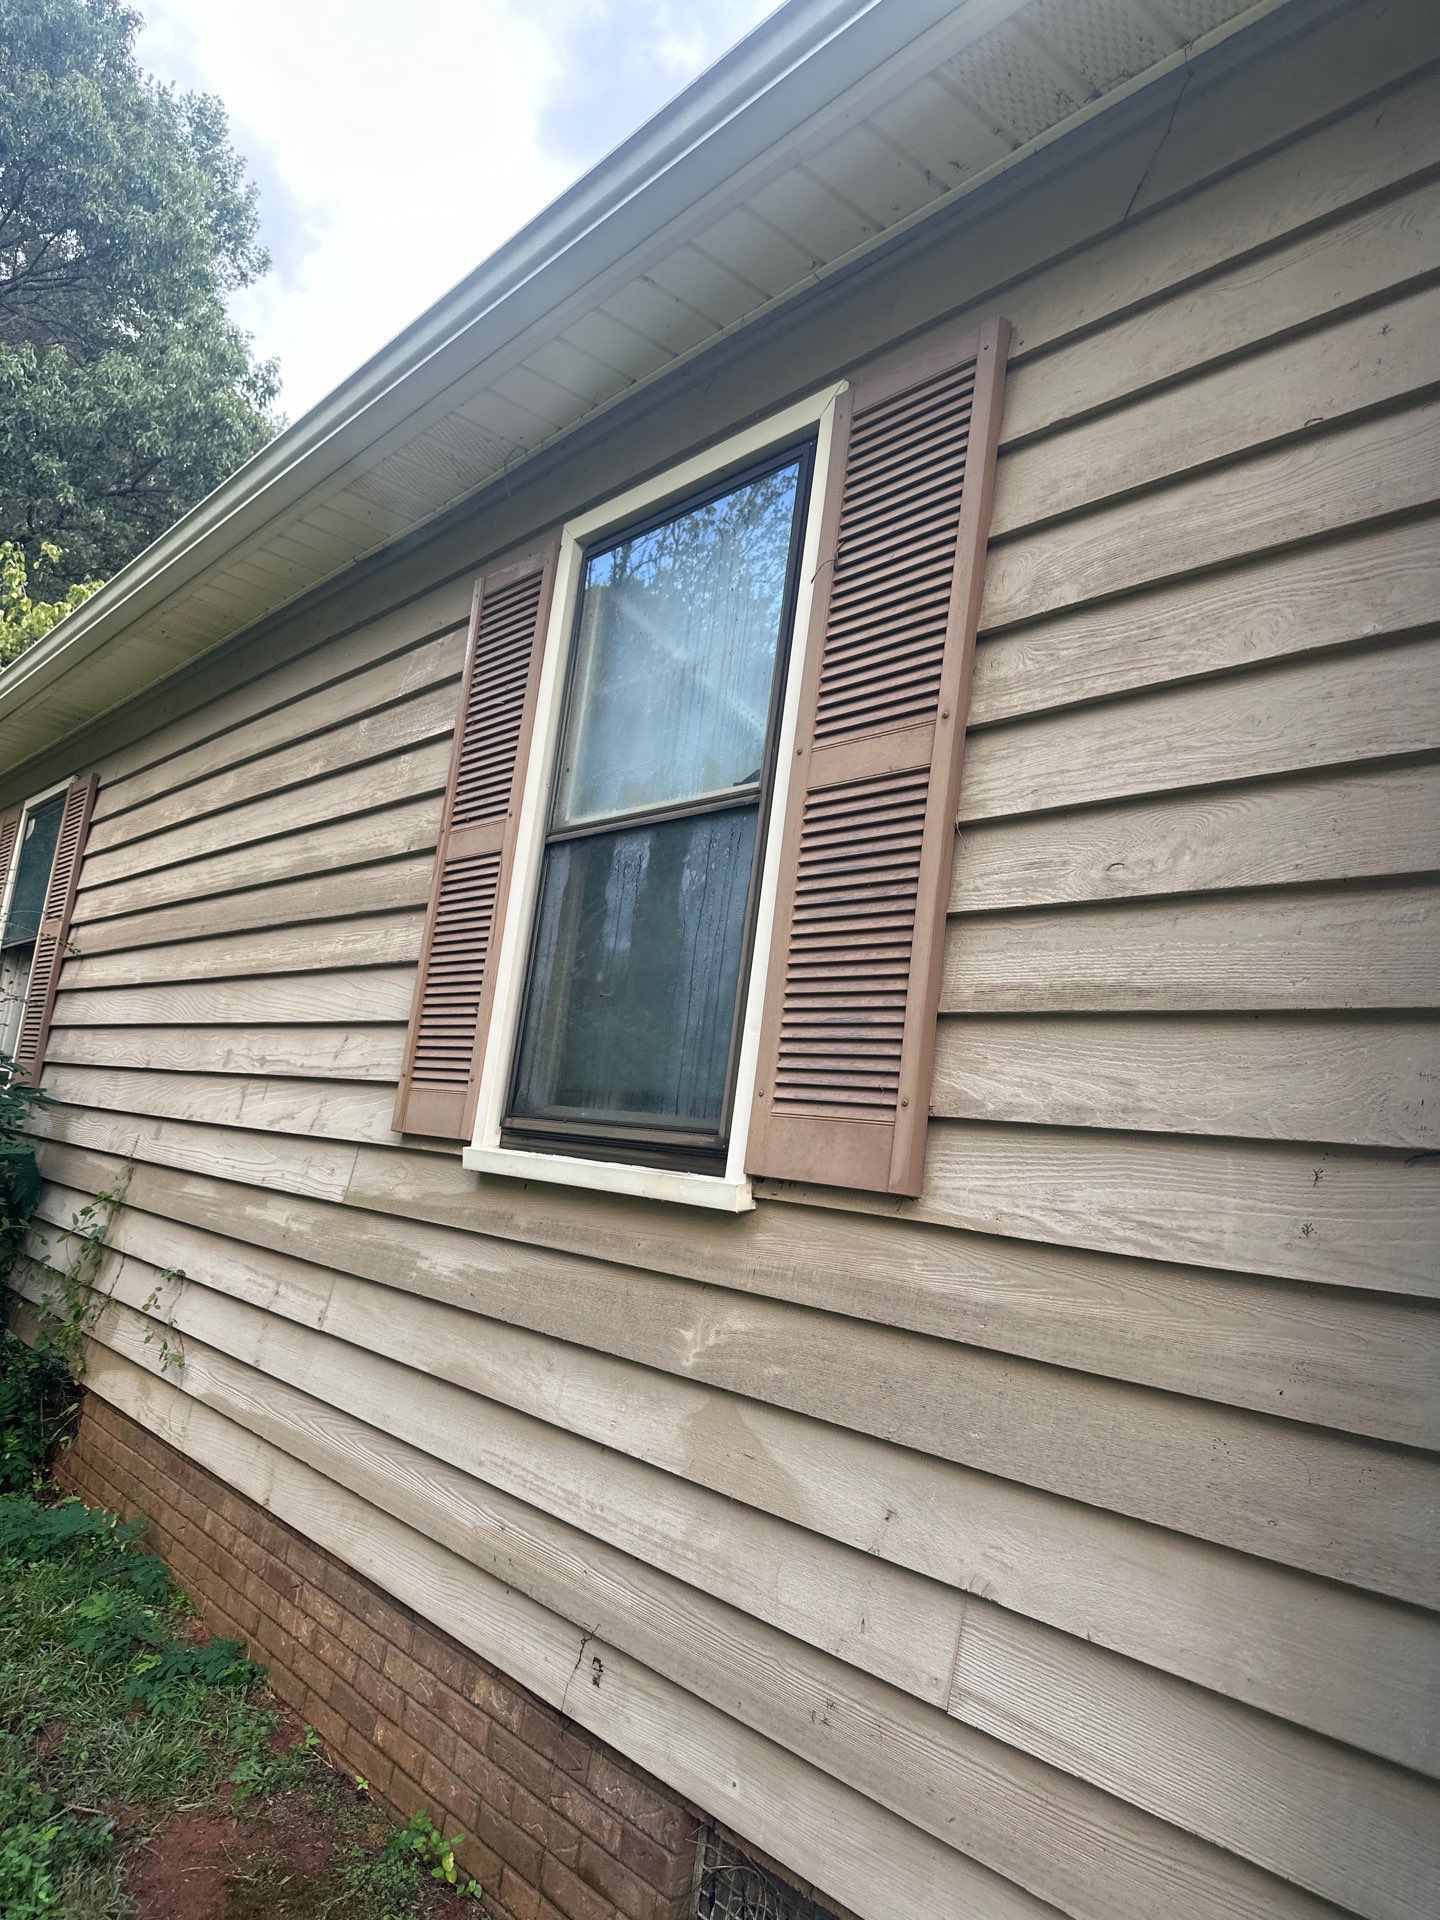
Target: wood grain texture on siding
[(379, 940), (357, 994), (1037, 1824), (850, 1845), (1327, 269), (1132, 1403), (309, 711), (333, 797), (1269, 1488), (316, 1109), (1363, 947), (1364, 361), (1386, 465), (1366, 585), (1364, 1365), (1191, 1719), (1192, 1609), (1337, 710), (302, 852), (356, 742), (1342, 1080), (309, 1052), (298, 656), (1360, 824), (1338, 1216), (1361, 1836), (287, 904)]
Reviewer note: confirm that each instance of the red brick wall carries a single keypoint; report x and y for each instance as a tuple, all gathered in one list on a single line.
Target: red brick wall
[(556, 1825)]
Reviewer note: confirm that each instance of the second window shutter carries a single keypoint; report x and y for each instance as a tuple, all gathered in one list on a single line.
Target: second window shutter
[(9, 828), (848, 1034), (439, 1083), (54, 929)]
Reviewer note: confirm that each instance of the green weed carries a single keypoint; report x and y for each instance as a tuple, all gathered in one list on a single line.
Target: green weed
[(110, 1703)]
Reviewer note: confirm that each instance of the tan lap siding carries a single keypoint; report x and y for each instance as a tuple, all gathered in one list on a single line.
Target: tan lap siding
[(1056, 1542)]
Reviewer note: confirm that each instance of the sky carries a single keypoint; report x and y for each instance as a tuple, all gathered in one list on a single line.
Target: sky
[(396, 143)]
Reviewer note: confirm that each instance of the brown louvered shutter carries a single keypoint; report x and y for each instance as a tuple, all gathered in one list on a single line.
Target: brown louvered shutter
[(9, 828), (54, 929), (439, 1081), (843, 1085)]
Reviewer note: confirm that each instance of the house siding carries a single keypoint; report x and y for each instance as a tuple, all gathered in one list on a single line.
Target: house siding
[(1059, 1541)]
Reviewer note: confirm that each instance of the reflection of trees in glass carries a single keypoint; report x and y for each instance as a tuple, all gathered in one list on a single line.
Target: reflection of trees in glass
[(676, 654), (641, 928)]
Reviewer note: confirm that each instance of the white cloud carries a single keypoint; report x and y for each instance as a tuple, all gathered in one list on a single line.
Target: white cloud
[(398, 142)]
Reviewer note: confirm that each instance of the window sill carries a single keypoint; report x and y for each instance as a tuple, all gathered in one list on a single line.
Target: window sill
[(712, 1190)]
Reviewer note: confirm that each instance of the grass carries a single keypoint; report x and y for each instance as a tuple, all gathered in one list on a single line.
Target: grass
[(131, 1741)]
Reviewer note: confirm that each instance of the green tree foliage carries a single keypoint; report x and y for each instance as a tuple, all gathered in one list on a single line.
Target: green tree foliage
[(23, 617), (126, 392)]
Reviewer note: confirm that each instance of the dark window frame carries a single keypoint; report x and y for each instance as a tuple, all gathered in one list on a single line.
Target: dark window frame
[(634, 1141)]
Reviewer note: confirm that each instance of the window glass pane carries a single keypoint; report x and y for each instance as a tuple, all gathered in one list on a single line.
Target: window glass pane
[(37, 856), (637, 961), (675, 655)]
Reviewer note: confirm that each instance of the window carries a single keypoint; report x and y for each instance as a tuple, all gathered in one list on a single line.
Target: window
[(648, 879), (688, 914), (32, 862)]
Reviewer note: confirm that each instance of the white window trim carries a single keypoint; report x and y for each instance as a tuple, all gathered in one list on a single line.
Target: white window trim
[(11, 1013), (730, 1191)]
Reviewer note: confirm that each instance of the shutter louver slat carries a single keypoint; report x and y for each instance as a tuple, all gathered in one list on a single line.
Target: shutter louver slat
[(439, 1080), (54, 930), (842, 1088)]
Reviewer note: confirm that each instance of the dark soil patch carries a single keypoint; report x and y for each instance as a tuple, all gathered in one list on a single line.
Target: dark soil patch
[(186, 1869), (273, 1863), (207, 1864)]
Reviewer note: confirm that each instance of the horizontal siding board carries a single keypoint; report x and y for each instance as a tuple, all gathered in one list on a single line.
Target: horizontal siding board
[(306, 705), (377, 735), (386, 939), (1362, 1836), (1246, 202), (296, 655), (1350, 825), (1331, 711), (1333, 1216), (305, 851), (1337, 479), (286, 904), (1326, 269), (1225, 1621), (880, 1618), (1361, 1364), (1268, 1487), (832, 1836), (236, 1155), (339, 796), (1363, 586), (1336, 1782), (1050, 1832), (1319, 378), (300, 999), (330, 1109), (308, 1052), (1359, 948), (1341, 1080), (1136, 1388)]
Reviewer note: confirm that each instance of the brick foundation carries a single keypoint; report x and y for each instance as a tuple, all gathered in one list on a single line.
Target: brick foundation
[(555, 1824)]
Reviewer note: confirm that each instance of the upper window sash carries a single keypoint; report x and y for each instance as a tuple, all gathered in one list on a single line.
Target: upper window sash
[(728, 1188)]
